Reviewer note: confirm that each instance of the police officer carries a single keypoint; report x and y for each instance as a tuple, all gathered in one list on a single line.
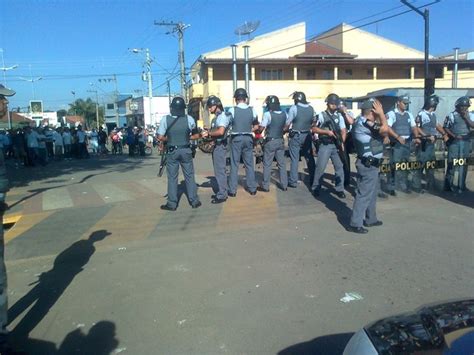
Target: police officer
[(218, 132), (300, 118), (243, 122), (176, 130), (368, 132), (329, 126), (4, 92), (403, 129), (427, 126), (348, 143), (458, 125), (273, 122)]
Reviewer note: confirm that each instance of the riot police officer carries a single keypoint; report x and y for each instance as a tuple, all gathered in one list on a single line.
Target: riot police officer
[(300, 119), (458, 125), (331, 130), (218, 132), (426, 123), (403, 129), (4, 92), (368, 132), (243, 122), (273, 122), (176, 130)]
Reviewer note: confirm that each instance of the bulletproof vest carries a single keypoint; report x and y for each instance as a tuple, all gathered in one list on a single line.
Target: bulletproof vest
[(303, 119), (365, 140), (430, 127), (328, 117), (275, 128), (402, 124), (460, 127), (242, 120), (178, 134)]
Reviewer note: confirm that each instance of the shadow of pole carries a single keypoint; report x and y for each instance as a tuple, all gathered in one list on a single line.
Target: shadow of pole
[(51, 285)]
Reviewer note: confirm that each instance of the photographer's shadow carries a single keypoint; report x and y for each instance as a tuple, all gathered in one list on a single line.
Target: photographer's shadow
[(51, 285)]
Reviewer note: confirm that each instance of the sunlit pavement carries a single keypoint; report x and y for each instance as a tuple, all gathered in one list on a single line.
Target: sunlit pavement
[(95, 266)]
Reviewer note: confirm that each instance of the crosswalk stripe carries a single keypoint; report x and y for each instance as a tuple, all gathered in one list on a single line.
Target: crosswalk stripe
[(111, 193), (57, 198)]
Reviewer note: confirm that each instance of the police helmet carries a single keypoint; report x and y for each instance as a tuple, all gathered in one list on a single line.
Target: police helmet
[(463, 101), (332, 99), (213, 101), (299, 96), (240, 94), (273, 103), (367, 104), (177, 106), (431, 101)]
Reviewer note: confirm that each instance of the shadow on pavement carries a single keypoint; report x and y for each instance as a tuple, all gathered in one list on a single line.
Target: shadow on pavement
[(51, 285), (325, 345), (25, 177), (100, 340), (465, 199), (334, 204)]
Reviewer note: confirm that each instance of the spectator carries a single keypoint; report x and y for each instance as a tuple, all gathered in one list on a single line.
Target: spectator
[(67, 140)]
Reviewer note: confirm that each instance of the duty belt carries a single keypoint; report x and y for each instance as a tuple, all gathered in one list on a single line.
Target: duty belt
[(172, 148), (370, 161), (300, 132), (222, 142), (241, 134)]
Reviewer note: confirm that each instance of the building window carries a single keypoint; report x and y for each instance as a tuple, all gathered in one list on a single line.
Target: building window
[(348, 72), (110, 106), (310, 74), (271, 74), (328, 74)]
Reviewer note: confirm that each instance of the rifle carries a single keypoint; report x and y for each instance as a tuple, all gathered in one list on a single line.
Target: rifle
[(163, 159), (338, 142)]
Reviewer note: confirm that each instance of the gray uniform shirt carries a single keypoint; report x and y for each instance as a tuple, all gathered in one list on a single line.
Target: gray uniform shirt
[(363, 134), (267, 118)]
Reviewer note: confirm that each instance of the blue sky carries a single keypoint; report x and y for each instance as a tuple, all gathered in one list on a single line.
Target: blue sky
[(73, 43)]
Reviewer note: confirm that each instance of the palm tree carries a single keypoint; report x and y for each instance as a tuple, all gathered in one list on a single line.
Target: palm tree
[(86, 109)]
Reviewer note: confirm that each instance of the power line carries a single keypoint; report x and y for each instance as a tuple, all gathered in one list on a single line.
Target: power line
[(344, 31)]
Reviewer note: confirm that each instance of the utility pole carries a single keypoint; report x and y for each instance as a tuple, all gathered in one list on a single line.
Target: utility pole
[(5, 69), (426, 17), (32, 81), (116, 93), (179, 29), (147, 77), (96, 106)]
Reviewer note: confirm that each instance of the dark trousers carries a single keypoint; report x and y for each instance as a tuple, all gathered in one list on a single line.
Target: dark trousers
[(219, 157), (366, 195), (301, 142), (459, 149)]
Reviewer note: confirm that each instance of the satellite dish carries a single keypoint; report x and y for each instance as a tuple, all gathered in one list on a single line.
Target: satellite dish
[(247, 28)]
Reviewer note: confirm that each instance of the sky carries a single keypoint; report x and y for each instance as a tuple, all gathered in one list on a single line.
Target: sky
[(71, 44)]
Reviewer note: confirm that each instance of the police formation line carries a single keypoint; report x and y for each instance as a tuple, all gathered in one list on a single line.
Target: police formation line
[(336, 130)]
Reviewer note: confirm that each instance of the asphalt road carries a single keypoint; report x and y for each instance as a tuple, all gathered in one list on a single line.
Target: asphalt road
[(95, 267)]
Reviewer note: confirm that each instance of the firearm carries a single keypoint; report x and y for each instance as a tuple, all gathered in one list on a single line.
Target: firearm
[(338, 142), (163, 159)]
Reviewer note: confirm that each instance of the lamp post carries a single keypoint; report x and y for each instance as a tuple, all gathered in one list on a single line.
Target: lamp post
[(116, 94), (96, 106), (32, 81), (147, 76)]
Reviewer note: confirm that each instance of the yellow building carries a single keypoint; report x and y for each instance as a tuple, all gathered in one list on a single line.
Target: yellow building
[(348, 61)]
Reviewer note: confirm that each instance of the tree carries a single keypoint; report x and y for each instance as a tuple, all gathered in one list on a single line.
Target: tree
[(86, 108)]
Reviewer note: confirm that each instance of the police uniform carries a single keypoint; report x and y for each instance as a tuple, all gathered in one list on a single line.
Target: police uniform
[(241, 145), (301, 118), (459, 148), (328, 150), (274, 123), (402, 124), (369, 147), (179, 153), (219, 154), (425, 152)]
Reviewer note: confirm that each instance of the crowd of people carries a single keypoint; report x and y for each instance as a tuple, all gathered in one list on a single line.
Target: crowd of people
[(37, 146)]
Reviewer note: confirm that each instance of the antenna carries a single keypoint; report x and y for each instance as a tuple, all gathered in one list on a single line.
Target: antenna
[(246, 29)]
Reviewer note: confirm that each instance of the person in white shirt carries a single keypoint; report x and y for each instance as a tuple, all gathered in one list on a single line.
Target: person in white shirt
[(94, 141), (32, 145), (67, 140), (58, 144)]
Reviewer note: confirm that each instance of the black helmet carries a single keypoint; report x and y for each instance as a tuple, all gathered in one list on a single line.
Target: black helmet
[(177, 106), (240, 94), (213, 101), (431, 101), (463, 101), (332, 99), (273, 103), (299, 96)]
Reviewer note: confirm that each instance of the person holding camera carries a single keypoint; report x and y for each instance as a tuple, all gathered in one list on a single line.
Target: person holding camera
[(368, 132)]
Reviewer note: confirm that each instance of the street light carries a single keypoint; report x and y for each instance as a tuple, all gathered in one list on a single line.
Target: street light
[(147, 77), (32, 81)]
